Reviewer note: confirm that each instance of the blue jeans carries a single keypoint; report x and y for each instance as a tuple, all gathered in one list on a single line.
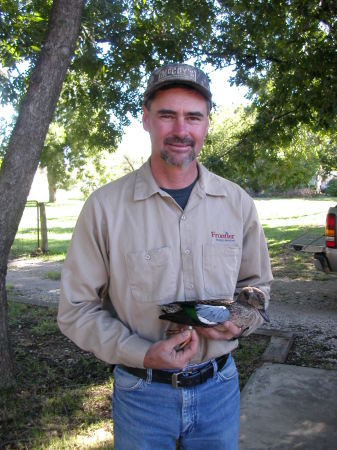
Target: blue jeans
[(153, 416)]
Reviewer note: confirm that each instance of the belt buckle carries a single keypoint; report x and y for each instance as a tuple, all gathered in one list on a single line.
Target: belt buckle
[(175, 381)]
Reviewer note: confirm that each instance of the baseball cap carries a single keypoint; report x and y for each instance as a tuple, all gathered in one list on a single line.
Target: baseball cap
[(177, 73)]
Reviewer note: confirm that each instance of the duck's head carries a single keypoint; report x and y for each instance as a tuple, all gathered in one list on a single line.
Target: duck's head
[(254, 297)]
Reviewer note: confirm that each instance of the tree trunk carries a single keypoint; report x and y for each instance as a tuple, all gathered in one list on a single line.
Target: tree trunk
[(6, 357), (51, 187), (26, 143)]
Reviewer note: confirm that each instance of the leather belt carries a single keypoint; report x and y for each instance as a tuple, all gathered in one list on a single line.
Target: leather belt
[(180, 379)]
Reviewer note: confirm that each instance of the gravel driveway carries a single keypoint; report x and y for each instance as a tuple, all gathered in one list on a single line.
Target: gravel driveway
[(308, 308)]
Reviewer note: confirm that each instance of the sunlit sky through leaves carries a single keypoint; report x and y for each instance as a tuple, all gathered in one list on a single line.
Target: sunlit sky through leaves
[(135, 144)]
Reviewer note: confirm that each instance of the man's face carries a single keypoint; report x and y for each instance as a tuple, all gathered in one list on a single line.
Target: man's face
[(177, 122)]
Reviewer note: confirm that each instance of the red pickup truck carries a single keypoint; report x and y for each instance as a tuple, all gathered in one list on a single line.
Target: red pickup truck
[(323, 247)]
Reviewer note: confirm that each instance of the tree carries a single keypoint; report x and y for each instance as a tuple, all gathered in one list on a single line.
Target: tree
[(120, 43), (262, 169), (326, 144), (286, 53), (53, 159), (220, 152), (25, 146)]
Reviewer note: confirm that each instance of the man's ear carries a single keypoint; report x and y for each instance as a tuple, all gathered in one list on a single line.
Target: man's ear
[(145, 118)]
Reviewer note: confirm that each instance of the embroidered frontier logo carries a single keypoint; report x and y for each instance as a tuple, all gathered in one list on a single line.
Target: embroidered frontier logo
[(223, 237)]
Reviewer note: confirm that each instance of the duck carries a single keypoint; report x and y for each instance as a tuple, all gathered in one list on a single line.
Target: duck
[(243, 311)]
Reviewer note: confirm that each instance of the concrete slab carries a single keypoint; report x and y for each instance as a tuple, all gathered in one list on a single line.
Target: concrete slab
[(286, 407)]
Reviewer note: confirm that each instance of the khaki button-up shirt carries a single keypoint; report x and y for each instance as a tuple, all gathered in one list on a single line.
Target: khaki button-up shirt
[(134, 246)]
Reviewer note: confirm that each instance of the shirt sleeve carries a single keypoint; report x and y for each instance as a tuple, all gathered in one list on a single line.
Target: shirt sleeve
[(255, 267), (82, 315)]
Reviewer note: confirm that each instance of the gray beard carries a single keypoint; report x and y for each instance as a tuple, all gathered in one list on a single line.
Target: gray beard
[(176, 162)]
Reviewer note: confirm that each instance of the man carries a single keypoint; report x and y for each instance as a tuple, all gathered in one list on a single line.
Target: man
[(166, 232)]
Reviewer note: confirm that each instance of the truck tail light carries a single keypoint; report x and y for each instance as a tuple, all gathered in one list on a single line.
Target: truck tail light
[(330, 231)]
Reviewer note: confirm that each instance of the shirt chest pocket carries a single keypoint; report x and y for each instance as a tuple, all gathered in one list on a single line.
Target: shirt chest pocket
[(220, 269), (151, 275)]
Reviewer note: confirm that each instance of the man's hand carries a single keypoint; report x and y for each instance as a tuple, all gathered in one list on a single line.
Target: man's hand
[(163, 355), (225, 331)]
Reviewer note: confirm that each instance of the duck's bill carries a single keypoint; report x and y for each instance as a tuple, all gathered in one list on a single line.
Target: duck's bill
[(264, 315)]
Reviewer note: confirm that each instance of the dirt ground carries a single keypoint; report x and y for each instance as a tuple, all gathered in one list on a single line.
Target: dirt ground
[(306, 307), (31, 282)]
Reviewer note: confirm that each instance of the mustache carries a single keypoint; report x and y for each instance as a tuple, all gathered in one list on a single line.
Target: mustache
[(177, 140)]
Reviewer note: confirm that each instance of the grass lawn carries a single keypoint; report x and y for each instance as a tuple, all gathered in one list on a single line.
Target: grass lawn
[(285, 219), (61, 219), (62, 396)]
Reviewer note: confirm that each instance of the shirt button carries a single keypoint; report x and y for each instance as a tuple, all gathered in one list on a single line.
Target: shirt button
[(147, 256), (183, 217), (187, 251)]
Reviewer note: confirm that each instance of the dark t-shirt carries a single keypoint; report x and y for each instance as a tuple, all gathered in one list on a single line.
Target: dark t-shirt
[(181, 196)]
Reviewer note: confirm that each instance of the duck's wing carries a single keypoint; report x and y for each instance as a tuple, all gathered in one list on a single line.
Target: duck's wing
[(186, 312), (212, 314), (211, 302), (182, 319), (171, 308), (184, 316)]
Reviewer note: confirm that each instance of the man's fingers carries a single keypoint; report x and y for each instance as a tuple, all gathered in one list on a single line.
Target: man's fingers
[(187, 348), (231, 327), (192, 344), (181, 337), (225, 331), (186, 339), (164, 355)]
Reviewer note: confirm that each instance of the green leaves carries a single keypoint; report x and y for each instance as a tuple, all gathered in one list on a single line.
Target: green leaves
[(232, 151), (286, 53), (119, 44)]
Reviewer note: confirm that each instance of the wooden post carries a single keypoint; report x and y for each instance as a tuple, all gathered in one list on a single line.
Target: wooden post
[(44, 229)]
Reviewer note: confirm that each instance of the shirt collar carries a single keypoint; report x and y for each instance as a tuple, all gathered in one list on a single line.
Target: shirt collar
[(211, 184), (208, 183), (145, 184)]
